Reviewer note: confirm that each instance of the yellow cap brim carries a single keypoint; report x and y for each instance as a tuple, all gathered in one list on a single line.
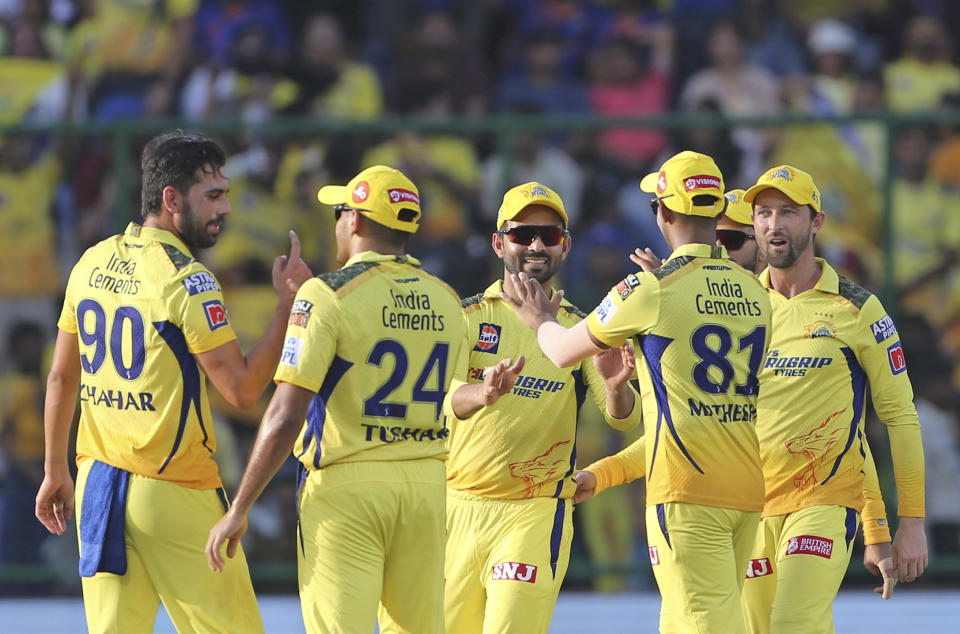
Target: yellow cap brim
[(332, 194), (649, 183), (750, 195)]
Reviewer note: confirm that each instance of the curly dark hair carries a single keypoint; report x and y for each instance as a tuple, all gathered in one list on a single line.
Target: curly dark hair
[(176, 159)]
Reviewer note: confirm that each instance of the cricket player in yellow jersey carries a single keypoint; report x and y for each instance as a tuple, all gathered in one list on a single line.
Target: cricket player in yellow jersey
[(513, 436), (369, 355), (143, 326), (702, 323), (831, 341)]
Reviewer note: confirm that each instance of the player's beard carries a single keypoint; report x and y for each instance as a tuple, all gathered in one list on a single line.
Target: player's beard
[(194, 231), (795, 246), (542, 273)]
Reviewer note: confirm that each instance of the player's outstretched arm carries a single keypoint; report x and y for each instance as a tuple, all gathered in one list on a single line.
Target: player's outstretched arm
[(241, 379), (878, 559), (54, 504), (498, 380), (616, 366), (564, 346), (910, 548), (279, 429)]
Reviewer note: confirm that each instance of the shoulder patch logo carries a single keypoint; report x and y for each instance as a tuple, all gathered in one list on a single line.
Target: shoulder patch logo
[(201, 282), (606, 310), (626, 286), (300, 313), (291, 351), (898, 362), (216, 314), (489, 338), (883, 329)]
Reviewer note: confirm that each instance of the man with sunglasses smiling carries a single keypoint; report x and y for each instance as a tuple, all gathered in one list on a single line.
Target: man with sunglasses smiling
[(513, 436), (702, 324)]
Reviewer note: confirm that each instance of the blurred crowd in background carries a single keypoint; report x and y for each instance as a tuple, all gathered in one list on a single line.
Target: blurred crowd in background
[(252, 61)]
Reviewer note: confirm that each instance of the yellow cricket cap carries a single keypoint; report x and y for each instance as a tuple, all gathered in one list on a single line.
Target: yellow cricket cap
[(688, 183), (738, 210), (796, 184), (382, 193), (522, 196)]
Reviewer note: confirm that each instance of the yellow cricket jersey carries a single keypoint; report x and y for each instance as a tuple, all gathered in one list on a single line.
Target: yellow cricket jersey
[(378, 341), (829, 344), (142, 306), (702, 324), (525, 444)]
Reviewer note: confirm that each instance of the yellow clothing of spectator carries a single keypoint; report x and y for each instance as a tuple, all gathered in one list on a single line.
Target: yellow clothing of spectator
[(22, 82), (441, 165), (914, 85), (356, 94), (28, 254)]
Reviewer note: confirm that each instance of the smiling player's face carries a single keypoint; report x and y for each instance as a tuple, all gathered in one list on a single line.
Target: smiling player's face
[(538, 260)]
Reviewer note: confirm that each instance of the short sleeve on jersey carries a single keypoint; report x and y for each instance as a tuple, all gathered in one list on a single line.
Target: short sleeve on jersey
[(310, 342), (631, 307), (196, 298)]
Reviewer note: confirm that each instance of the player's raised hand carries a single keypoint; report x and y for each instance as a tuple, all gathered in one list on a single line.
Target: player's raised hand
[(499, 379), (878, 559), (616, 365), (55, 501), (910, 548), (646, 259), (229, 529), (530, 303), (586, 485), (289, 272)]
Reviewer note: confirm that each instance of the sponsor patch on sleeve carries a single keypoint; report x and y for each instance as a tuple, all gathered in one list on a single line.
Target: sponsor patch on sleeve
[(606, 310), (883, 329), (489, 338), (216, 314), (291, 351), (759, 568), (201, 282), (654, 556), (300, 313), (898, 362), (810, 545)]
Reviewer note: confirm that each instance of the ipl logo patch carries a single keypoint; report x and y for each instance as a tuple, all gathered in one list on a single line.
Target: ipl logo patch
[(291, 351), (488, 339), (216, 314)]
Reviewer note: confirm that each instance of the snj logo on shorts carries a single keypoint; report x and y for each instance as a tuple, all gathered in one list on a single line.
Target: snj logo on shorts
[(513, 571), (216, 314), (489, 338), (810, 545), (654, 556), (698, 182), (759, 568)]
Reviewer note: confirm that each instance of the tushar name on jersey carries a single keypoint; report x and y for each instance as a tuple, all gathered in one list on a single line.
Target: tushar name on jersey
[(126, 285), (731, 300), (399, 315)]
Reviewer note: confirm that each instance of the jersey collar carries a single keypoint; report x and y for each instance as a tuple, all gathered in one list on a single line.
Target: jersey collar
[(829, 281), (373, 256), (699, 250), (157, 235)]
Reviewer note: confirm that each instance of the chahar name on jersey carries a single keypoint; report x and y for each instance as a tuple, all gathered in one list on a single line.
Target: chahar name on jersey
[(723, 413), (201, 282), (116, 399), (399, 316), (125, 285), (399, 434), (731, 300)]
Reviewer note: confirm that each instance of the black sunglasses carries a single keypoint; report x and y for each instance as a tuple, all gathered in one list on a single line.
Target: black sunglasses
[(524, 235), (339, 209), (732, 238), (655, 205)]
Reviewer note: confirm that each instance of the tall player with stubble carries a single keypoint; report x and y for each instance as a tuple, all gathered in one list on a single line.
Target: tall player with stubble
[(143, 326), (702, 324), (368, 359)]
